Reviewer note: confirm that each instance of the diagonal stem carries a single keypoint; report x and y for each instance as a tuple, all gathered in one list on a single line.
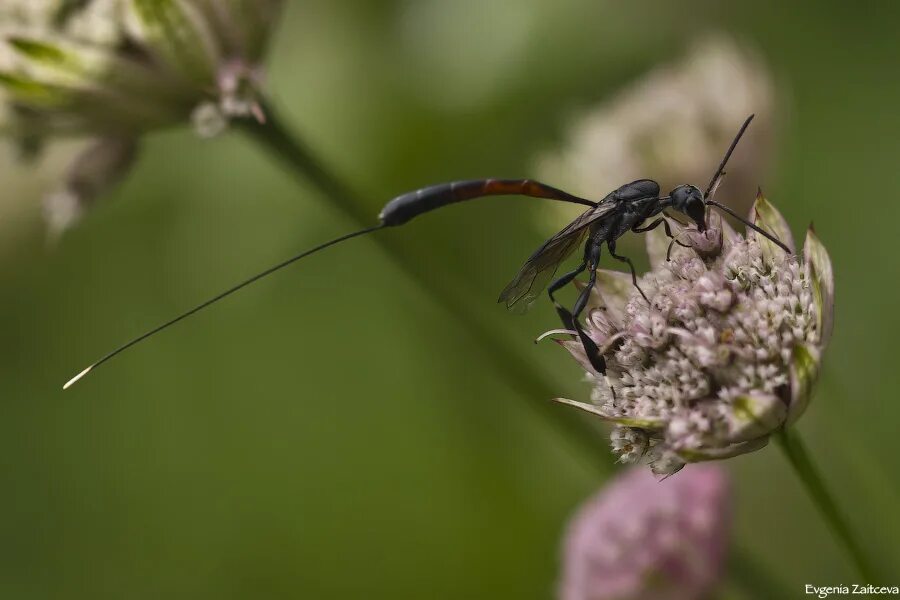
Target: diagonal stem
[(797, 454), (506, 358)]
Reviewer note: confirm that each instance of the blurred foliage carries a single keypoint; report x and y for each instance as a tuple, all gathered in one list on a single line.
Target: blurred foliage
[(330, 433)]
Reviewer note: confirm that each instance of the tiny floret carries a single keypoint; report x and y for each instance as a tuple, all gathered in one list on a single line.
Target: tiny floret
[(725, 353)]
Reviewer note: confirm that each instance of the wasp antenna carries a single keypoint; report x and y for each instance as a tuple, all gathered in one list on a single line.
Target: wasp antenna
[(75, 379), (718, 183), (755, 228), (734, 143), (218, 297)]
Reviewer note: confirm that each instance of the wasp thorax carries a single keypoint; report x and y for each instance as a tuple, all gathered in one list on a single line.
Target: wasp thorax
[(688, 200)]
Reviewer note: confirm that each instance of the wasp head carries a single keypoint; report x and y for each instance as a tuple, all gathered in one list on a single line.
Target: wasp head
[(688, 200)]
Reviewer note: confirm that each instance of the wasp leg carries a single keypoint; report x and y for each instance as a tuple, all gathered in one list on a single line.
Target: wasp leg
[(665, 225), (564, 314), (672, 243), (590, 347), (675, 239), (654, 225), (674, 218), (612, 251)]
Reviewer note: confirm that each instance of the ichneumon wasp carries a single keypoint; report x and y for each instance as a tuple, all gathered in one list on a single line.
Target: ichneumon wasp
[(622, 210)]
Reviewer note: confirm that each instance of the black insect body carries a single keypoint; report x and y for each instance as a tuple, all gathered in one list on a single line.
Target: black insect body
[(602, 224)]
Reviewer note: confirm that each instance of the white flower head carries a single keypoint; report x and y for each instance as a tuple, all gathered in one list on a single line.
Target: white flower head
[(725, 353), (673, 123), (128, 66), (113, 70)]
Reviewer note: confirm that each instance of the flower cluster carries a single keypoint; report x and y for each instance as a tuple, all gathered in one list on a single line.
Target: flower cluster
[(673, 122), (127, 66), (725, 353), (640, 538), (115, 69)]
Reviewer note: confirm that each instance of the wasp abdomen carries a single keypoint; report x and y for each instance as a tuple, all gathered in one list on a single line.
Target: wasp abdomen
[(407, 206)]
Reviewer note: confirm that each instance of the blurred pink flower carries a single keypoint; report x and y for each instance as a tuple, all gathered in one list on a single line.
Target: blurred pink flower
[(640, 538)]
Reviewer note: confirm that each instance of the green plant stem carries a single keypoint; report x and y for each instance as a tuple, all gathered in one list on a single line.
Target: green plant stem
[(506, 358), (797, 454)]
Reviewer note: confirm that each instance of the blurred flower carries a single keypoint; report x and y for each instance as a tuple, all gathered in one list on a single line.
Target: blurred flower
[(725, 354), (115, 69), (127, 66), (640, 538), (673, 125), (97, 168)]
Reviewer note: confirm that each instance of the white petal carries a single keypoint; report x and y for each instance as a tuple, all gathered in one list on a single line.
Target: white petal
[(766, 216), (615, 288), (821, 277), (724, 452), (804, 372), (755, 415)]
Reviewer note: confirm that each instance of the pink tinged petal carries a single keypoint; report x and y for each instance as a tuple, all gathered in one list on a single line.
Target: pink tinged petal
[(729, 235), (755, 415), (821, 278), (804, 372), (598, 411), (658, 242), (576, 349), (766, 216), (600, 327), (724, 452), (615, 289)]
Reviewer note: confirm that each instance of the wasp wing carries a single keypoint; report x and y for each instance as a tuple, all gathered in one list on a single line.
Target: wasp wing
[(537, 271)]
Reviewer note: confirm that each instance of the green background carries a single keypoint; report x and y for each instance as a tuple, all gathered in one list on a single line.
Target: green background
[(332, 433)]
